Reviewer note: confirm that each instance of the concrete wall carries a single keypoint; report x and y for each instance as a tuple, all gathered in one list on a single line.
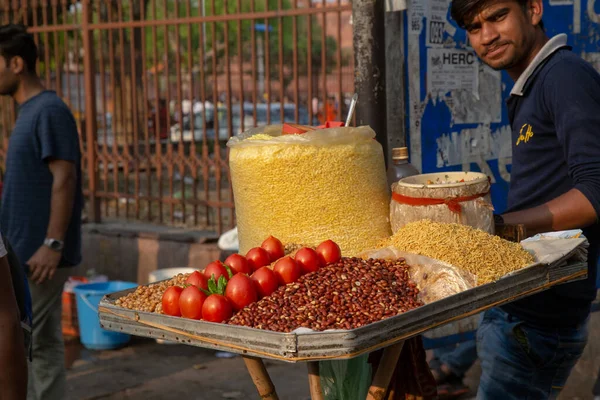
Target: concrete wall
[(130, 251)]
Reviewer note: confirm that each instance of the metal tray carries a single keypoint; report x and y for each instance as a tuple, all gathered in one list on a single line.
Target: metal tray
[(339, 344)]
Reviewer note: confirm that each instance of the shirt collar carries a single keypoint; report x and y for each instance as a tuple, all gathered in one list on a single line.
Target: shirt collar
[(549, 48)]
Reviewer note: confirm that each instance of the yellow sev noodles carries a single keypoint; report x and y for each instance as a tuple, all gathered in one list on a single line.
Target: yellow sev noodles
[(487, 256), (304, 193)]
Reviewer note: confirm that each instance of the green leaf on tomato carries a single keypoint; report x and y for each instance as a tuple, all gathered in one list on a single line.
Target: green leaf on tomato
[(212, 285), (221, 285), (229, 272)]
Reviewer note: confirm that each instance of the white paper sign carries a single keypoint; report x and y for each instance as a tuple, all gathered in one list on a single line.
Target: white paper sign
[(436, 22), (451, 69), (416, 14), (395, 5)]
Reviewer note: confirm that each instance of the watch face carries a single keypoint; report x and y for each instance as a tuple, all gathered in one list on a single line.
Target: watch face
[(54, 244)]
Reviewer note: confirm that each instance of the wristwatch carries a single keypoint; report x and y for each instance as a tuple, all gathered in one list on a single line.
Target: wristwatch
[(54, 244)]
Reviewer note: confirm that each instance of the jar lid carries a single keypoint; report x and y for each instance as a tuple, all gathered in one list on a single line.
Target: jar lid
[(400, 153)]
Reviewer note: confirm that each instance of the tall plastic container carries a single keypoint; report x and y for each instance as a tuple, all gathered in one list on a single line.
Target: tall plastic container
[(400, 168), (310, 187), (88, 295)]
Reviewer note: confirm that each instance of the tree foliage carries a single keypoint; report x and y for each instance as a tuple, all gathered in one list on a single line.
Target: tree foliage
[(209, 40)]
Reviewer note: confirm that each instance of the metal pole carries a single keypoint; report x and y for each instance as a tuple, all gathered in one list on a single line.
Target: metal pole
[(203, 29), (395, 83), (260, 54), (369, 57), (89, 72)]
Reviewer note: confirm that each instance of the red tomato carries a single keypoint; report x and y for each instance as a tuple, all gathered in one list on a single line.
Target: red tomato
[(287, 270), (238, 263), (274, 247), (170, 301), (329, 252), (308, 260), (217, 269), (258, 257), (190, 302), (265, 281), (240, 291), (198, 280), (216, 308)]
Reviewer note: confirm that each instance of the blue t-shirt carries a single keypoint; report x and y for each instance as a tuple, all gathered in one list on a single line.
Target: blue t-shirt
[(45, 129), (555, 119)]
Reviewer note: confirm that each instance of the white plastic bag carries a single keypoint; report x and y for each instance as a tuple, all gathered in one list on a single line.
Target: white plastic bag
[(435, 279), (229, 240)]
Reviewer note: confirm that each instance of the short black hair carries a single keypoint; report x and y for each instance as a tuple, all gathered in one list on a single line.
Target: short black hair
[(463, 11), (15, 41)]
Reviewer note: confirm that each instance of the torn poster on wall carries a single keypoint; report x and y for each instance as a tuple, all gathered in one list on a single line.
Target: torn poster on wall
[(485, 106), (416, 13), (436, 22), (452, 69), (477, 146)]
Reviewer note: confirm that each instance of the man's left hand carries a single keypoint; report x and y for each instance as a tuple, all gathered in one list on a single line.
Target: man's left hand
[(43, 264)]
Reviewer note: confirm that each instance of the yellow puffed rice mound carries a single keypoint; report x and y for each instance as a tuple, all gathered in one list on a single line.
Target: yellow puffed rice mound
[(326, 184)]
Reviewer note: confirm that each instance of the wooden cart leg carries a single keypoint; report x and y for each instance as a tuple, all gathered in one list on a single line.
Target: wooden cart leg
[(261, 378), (386, 368), (314, 380)]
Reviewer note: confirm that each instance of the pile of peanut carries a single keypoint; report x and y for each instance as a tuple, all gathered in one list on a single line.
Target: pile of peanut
[(149, 298), (346, 295)]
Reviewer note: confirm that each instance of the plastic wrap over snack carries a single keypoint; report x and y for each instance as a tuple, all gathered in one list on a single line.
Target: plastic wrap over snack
[(307, 188), (473, 206), (435, 279)]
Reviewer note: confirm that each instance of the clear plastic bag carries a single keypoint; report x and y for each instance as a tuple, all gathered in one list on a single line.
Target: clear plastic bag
[(345, 379), (435, 279), (306, 188)]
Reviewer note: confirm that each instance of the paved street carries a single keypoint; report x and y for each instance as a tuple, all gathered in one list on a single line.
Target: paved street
[(145, 370)]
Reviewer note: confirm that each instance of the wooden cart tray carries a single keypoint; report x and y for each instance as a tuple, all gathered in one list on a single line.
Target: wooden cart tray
[(337, 344)]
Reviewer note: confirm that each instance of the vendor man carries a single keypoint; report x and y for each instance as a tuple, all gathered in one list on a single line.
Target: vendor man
[(528, 348)]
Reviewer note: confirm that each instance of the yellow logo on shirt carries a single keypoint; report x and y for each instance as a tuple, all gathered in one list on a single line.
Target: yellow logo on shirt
[(525, 134)]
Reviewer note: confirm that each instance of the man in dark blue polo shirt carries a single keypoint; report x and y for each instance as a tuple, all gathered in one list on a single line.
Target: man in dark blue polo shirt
[(41, 202), (528, 348)]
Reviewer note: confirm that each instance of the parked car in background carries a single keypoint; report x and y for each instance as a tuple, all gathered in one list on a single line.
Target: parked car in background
[(289, 114), (194, 122), (194, 125)]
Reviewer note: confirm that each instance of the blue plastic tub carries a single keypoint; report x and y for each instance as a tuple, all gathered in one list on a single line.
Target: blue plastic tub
[(88, 296)]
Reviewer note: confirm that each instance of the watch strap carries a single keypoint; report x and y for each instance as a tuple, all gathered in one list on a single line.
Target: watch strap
[(54, 244)]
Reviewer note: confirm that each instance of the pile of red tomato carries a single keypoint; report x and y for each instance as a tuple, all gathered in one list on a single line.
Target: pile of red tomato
[(224, 288)]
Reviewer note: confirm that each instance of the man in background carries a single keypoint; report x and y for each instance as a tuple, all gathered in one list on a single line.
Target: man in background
[(41, 202)]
